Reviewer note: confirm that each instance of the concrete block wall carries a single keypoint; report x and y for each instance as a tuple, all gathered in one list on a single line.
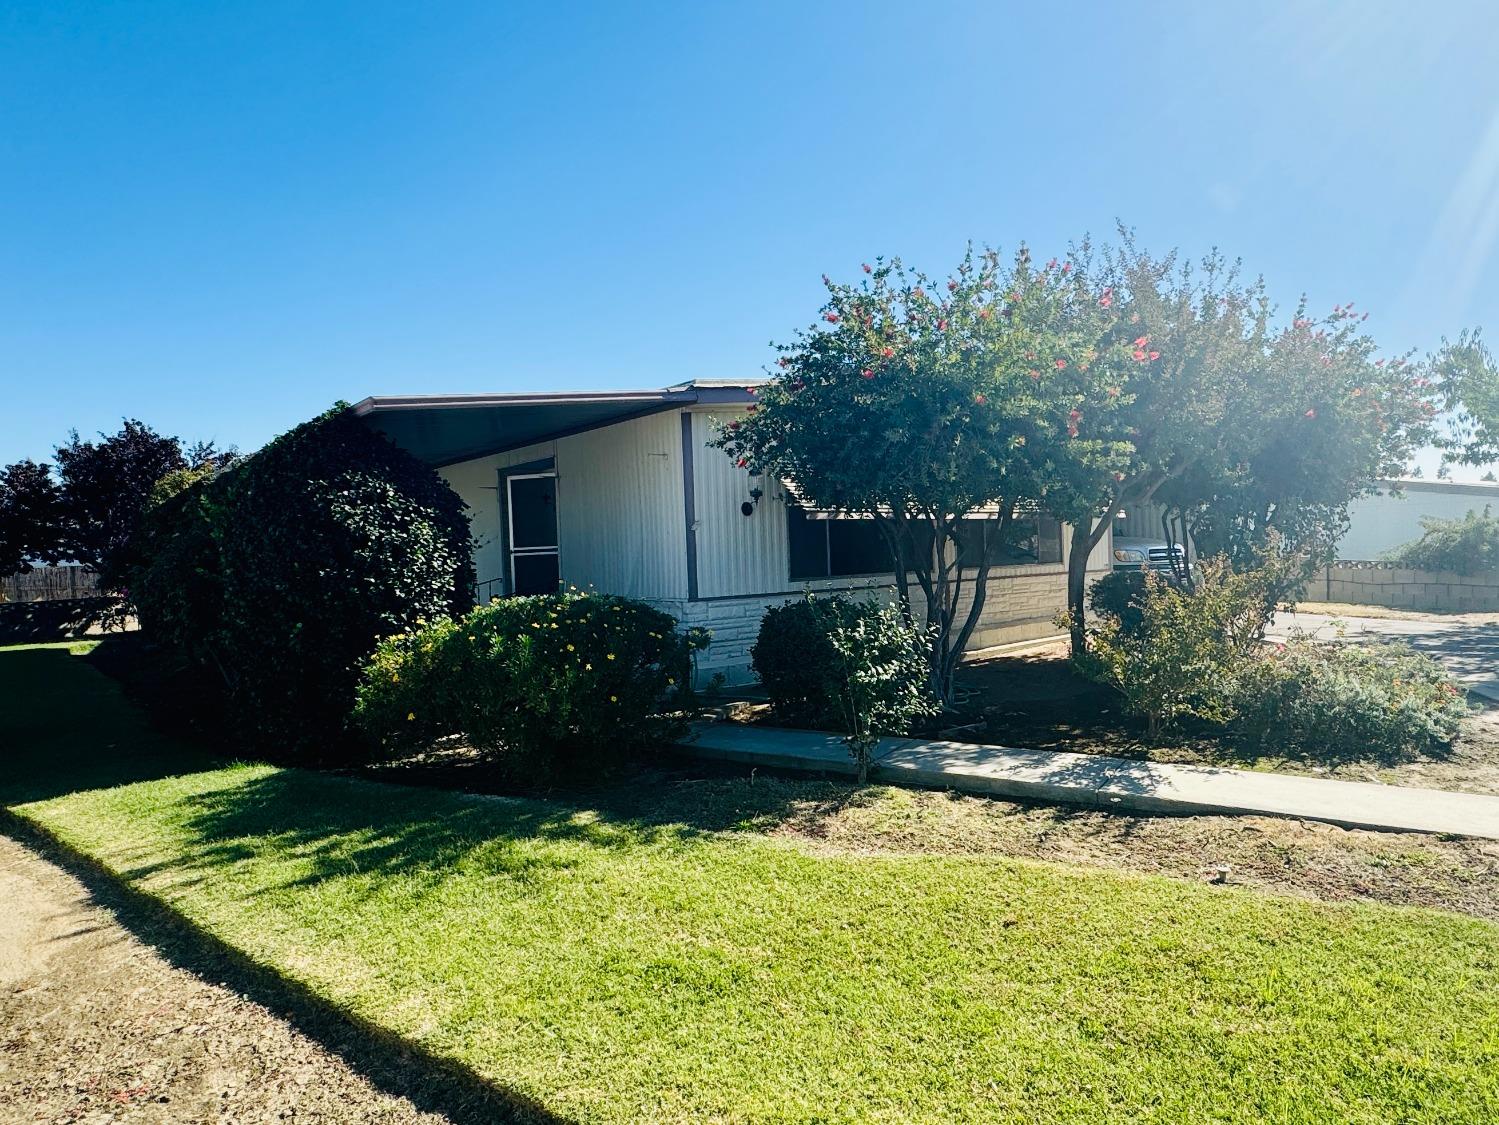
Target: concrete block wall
[(1399, 588), (1019, 607)]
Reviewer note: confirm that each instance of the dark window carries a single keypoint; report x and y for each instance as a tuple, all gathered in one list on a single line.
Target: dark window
[(835, 548), (536, 574), (840, 548), (533, 512), (1031, 539)]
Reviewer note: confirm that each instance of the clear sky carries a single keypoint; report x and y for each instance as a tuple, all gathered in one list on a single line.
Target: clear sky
[(222, 217)]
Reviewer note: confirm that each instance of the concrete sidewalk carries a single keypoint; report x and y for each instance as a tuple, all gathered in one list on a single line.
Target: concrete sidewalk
[(1112, 783)]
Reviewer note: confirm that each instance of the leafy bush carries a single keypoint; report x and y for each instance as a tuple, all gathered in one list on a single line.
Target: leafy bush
[(283, 571), (834, 664), (1120, 595), (1466, 546), (178, 592), (1188, 647), (544, 683), (1335, 701)]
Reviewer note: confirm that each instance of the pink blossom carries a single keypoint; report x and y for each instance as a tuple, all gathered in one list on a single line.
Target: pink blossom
[(867, 269), (942, 326), (1155, 356), (831, 318), (1061, 364), (867, 373), (1312, 413), (980, 398)]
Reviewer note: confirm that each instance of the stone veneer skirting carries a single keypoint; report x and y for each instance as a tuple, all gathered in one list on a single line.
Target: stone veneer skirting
[(1019, 608)]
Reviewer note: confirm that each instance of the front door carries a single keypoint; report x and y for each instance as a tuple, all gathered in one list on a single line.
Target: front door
[(532, 507)]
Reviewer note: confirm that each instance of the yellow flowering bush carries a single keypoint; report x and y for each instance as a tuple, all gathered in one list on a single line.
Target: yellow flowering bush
[(543, 683)]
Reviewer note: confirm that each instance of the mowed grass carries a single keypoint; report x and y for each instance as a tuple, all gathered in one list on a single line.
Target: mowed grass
[(637, 970)]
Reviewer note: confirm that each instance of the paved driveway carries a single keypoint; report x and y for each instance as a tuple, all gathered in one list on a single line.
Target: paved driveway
[(1470, 651)]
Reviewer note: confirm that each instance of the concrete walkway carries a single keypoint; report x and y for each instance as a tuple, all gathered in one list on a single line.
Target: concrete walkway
[(1114, 783)]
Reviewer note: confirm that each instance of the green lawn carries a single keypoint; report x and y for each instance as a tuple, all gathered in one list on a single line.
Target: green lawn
[(636, 969)]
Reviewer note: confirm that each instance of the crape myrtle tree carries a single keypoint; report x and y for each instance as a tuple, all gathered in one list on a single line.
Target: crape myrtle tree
[(1195, 336), (917, 403), (1323, 421), (1257, 438)]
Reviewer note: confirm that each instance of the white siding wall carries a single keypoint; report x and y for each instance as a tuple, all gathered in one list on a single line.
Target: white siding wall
[(619, 507), (1378, 524), (743, 568)]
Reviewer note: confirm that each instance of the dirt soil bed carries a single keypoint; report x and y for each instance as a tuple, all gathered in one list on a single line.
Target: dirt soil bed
[(1037, 701), (97, 1025), (1301, 858)]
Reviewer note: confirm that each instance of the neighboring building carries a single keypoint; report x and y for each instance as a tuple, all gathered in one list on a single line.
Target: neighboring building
[(1378, 524), (619, 491)]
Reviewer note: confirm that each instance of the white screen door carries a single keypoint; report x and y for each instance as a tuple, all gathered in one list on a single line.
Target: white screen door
[(532, 510)]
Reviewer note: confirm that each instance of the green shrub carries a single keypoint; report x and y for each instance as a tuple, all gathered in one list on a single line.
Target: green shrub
[(1466, 546), (545, 684), (284, 570), (178, 591), (1188, 647), (1345, 701), (1120, 595), (830, 663)]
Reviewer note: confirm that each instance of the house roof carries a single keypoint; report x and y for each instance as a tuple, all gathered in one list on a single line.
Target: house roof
[(445, 429), (1470, 487)]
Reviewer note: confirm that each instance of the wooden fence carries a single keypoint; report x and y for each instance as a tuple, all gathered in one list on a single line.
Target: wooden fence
[(50, 584)]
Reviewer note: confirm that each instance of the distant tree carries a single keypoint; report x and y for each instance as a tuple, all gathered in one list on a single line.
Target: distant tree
[(1444, 471), (1468, 379), (105, 486), (921, 404), (1489, 476), (30, 515)]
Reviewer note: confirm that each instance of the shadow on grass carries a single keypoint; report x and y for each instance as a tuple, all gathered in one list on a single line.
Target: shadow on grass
[(57, 620), (65, 728), (395, 1066)]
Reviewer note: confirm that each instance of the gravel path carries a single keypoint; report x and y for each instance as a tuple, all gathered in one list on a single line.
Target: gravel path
[(98, 1026)]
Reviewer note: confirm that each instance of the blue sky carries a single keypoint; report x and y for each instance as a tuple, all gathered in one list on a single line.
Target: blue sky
[(222, 217)]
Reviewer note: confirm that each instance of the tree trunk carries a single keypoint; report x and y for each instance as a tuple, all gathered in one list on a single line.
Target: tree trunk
[(1077, 580)]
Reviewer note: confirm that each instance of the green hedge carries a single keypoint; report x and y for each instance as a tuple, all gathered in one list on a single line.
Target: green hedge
[(546, 685), (831, 663), (284, 571)]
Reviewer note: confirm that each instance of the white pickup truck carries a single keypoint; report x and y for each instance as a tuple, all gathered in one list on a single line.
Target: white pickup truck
[(1147, 554)]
